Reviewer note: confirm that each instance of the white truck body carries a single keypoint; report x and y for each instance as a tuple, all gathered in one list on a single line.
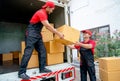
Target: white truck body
[(57, 74)]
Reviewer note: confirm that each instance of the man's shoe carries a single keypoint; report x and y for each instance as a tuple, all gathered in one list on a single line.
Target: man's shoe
[(45, 70), (24, 76)]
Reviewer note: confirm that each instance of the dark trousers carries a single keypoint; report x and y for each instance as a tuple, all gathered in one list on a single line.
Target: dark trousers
[(91, 71), (31, 43)]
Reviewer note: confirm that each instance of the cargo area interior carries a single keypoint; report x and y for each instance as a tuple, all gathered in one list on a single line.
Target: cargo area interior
[(14, 18)]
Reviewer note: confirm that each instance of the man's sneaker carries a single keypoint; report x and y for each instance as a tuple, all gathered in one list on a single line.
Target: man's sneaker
[(45, 70), (24, 76)]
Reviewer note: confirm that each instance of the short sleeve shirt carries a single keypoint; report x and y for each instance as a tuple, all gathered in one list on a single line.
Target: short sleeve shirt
[(39, 16), (92, 42)]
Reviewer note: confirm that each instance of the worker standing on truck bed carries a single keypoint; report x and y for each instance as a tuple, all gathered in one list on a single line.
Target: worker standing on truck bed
[(34, 39), (86, 49)]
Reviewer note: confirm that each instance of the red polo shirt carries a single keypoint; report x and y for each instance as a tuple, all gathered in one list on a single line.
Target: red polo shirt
[(39, 16), (92, 42)]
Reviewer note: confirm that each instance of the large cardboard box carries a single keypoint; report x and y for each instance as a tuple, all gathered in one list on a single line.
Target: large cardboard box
[(54, 47), (55, 58), (33, 62), (71, 35), (44, 28), (7, 56), (46, 34), (109, 63), (23, 47), (109, 76)]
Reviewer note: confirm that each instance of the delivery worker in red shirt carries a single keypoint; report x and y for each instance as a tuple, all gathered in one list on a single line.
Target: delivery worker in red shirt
[(34, 39), (86, 49)]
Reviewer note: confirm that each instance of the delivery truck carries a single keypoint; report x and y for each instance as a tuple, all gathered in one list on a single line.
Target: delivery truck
[(14, 19)]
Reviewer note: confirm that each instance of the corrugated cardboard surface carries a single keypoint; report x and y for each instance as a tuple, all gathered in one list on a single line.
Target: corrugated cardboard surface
[(33, 62), (55, 58), (7, 56), (65, 41), (110, 63), (71, 35), (44, 28), (15, 54), (109, 76), (47, 36), (54, 47)]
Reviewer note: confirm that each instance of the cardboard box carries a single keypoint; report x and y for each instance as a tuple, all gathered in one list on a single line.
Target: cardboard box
[(54, 58), (54, 47), (109, 63), (71, 35), (109, 76), (15, 54), (44, 28), (33, 62), (23, 47), (47, 36), (7, 56)]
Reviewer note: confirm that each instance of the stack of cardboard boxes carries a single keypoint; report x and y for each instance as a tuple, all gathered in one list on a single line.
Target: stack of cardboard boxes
[(109, 68), (55, 48), (55, 52), (54, 45)]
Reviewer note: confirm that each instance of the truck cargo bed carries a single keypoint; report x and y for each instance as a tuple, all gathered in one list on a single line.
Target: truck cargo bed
[(33, 73)]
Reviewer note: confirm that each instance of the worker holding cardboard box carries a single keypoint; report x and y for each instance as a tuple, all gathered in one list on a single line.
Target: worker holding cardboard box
[(34, 39), (86, 49)]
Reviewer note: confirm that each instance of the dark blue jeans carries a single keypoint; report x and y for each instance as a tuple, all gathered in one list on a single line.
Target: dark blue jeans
[(91, 71), (31, 43)]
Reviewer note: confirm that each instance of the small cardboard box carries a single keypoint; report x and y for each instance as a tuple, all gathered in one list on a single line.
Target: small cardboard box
[(7, 56), (71, 35), (55, 58), (109, 76), (15, 54), (110, 63), (54, 47)]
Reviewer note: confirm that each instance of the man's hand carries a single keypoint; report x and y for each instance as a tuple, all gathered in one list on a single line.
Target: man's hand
[(61, 35), (52, 29), (78, 44), (71, 46)]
